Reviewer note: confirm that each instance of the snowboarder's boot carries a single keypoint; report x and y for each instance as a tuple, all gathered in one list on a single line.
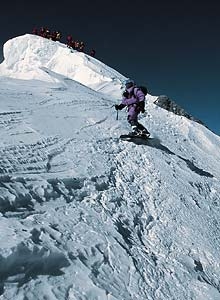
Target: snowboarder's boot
[(144, 133), (134, 131)]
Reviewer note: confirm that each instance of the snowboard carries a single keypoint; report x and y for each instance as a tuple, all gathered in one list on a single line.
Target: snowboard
[(128, 137)]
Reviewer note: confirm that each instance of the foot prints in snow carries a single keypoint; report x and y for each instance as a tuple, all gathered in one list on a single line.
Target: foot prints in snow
[(87, 216)]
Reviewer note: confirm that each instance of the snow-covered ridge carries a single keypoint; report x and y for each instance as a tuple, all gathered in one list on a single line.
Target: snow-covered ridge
[(168, 104), (33, 57), (25, 56)]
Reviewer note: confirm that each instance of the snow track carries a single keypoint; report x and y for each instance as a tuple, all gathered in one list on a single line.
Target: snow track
[(30, 158)]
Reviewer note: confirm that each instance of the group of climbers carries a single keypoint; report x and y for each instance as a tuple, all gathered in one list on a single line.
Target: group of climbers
[(76, 45), (48, 34), (56, 36)]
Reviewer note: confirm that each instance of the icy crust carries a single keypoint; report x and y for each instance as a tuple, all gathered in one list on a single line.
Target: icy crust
[(25, 56)]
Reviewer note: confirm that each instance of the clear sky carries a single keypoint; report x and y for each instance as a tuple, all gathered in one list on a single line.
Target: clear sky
[(172, 47)]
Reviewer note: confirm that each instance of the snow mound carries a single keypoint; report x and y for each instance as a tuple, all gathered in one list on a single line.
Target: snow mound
[(27, 56)]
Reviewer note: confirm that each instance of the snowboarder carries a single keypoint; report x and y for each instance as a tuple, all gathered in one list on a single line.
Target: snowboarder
[(134, 99)]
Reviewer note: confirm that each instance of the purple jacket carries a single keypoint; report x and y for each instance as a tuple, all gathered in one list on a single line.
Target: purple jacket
[(133, 100)]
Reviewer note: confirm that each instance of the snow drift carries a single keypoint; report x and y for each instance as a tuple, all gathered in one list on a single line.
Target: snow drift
[(85, 215), (28, 57)]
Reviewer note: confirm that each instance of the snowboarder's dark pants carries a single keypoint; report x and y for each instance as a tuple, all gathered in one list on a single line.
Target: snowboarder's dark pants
[(138, 125)]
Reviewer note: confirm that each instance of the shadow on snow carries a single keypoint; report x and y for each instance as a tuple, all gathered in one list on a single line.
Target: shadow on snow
[(155, 143)]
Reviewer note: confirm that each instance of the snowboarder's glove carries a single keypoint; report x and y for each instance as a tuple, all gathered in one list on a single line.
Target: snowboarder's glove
[(119, 107), (125, 94), (141, 106)]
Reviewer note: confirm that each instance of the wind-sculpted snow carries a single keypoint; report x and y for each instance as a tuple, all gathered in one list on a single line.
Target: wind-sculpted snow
[(84, 215), (29, 57)]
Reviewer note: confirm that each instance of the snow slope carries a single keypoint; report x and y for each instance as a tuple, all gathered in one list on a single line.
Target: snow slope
[(87, 216)]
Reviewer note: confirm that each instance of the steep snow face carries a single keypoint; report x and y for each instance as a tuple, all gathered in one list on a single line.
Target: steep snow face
[(86, 216), (29, 57)]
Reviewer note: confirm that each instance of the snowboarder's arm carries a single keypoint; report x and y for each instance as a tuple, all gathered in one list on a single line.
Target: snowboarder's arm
[(141, 105), (119, 107), (130, 101), (140, 95)]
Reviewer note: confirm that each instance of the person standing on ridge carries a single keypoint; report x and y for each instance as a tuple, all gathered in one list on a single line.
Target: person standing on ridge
[(35, 31), (92, 53), (42, 31), (134, 99), (69, 40), (81, 47)]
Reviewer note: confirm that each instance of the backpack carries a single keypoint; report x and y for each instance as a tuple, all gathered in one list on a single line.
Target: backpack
[(143, 89), (141, 104)]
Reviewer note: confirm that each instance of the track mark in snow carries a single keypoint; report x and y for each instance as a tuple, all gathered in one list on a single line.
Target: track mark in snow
[(45, 101), (94, 123), (9, 113), (10, 120), (29, 158)]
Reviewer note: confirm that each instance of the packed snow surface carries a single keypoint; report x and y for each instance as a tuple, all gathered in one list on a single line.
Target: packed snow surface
[(86, 216)]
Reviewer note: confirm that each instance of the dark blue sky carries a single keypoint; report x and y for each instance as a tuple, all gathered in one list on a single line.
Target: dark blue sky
[(171, 47)]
